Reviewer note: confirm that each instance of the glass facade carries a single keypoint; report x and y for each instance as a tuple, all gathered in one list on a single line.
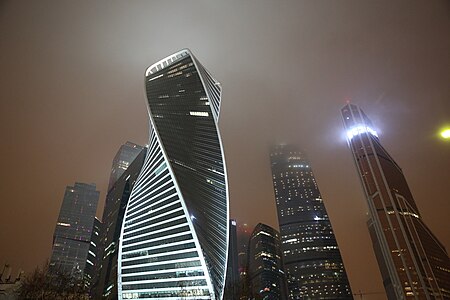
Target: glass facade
[(310, 251), (232, 278), (93, 258), (413, 263), (124, 157), (113, 214), (74, 229), (266, 276), (174, 237), (243, 237)]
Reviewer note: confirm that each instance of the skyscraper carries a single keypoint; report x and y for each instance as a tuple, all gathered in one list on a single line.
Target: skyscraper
[(413, 263), (311, 254), (93, 259), (243, 237), (72, 237), (113, 214), (175, 235), (232, 278), (124, 157), (266, 276)]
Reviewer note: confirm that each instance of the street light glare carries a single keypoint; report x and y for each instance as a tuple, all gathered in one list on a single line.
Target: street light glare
[(445, 133)]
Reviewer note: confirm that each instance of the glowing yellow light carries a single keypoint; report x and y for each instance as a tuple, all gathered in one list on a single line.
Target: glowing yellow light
[(445, 133)]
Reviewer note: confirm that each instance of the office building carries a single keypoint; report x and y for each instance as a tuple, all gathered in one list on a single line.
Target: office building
[(124, 157), (266, 276), (413, 263), (174, 240), (232, 278), (74, 227), (243, 237), (113, 213), (93, 258), (311, 254)]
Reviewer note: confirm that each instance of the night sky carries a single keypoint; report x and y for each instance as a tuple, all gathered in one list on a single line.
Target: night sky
[(72, 91)]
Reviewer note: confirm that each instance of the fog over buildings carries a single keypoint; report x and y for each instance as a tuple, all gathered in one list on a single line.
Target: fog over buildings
[(72, 91)]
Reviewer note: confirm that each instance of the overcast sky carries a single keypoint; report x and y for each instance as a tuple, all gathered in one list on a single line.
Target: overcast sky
[(72, 91)]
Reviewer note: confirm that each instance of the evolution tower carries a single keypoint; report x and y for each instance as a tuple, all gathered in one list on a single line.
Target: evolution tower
[(174, 237), (413, 263), (311, 255)]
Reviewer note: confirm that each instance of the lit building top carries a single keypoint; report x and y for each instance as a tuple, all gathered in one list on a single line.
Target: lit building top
[(412, 261)]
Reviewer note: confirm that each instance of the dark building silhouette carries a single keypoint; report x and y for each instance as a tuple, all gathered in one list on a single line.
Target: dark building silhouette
[(113, 213), (232, 278), (124, 157), (413, 263), (94, 253), (174, 241), (311, 254), (74, 228), (243, 237), (266, 277)]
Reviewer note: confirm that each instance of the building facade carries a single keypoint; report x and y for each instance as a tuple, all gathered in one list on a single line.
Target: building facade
[(311, 254), (174, 237), (93, 259), (243, 237), (413, 263), (113, 214), (74, 227), (232, 278), (124, 157), (266, 276)]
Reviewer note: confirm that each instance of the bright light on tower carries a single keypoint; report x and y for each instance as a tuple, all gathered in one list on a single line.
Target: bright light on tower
[(357, 130)]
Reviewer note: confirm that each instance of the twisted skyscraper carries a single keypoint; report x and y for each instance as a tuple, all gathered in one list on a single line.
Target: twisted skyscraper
[(175, 233), (413, 263)]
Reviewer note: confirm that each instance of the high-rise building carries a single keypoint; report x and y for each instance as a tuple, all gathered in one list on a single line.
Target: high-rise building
[(232, 278), (73, 232), (266, 276), (124, 157), (113, 213), (174, 240), (94, 252), (243, 237), (413, 263), (311, 254)]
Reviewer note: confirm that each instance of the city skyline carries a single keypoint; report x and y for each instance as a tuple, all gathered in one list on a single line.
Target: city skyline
[(71, 76)]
